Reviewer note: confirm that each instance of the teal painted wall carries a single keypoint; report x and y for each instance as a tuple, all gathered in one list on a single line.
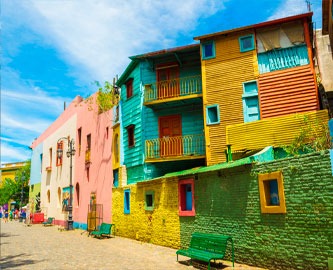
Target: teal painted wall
[(191, 114), (300, 239), (131, 115)]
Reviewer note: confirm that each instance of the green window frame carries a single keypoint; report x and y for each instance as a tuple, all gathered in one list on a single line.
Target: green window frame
[(246, 43), (208, 50), (212, 114), (149, 200)]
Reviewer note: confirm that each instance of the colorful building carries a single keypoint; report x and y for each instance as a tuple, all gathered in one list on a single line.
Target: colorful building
[(254, 73), (258, 91), (161, 113), (91, 168)]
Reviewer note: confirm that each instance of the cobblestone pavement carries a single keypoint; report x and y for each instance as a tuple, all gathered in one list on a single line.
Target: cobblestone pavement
[(38, 247)]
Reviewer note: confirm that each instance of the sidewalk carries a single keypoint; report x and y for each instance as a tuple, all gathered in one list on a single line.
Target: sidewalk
[(37, 247)]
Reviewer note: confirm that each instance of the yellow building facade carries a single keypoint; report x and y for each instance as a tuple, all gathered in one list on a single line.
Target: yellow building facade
[(157, 224)]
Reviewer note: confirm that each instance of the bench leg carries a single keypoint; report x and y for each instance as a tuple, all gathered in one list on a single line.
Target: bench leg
[(209, 265)]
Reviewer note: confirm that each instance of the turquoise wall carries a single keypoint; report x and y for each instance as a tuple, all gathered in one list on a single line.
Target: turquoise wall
[(131, 115)]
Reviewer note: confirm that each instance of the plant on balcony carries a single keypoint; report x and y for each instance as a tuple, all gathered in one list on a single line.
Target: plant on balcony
[(313, 137)]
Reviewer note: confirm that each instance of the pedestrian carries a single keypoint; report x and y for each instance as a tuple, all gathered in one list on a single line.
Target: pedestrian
[(11, 215), (6, 215)]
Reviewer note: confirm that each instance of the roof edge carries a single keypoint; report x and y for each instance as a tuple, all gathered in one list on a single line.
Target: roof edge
[(258, 25)]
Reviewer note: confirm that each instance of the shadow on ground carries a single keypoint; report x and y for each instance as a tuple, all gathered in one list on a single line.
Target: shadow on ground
[(17, 261), (200, 265)]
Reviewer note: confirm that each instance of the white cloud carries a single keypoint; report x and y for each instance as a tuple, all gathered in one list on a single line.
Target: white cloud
[(289, 8), (10, 154), (101, 35)]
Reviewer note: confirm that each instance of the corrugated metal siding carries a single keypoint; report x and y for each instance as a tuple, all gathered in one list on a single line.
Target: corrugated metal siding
[(287, 91), (224, 76), (276, 131)]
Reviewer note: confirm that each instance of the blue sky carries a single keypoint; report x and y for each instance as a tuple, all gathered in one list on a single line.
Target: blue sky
[(53, 50)]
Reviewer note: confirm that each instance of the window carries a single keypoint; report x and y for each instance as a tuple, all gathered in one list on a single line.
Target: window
[(149, 201), (130, 135), (107, 132), (88, 150), (213, 114), (77, 191), (116, 148), (41, 162), (129, 88), (246, 43), (272, 193), (48, 196), (49, 168), (127, 201), (208, 50), (79, 136), (59, 197), (186, 197), (250, 101), (60, 145), (115, 178)]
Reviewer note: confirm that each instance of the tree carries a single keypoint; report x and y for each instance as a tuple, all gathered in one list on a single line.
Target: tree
[(16, 189)]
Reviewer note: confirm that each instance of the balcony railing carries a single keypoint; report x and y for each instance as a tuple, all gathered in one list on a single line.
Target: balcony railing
[(175, 147), (179, 87)]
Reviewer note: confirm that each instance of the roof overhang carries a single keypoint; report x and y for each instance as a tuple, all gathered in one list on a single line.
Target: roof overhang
[(256, 26)]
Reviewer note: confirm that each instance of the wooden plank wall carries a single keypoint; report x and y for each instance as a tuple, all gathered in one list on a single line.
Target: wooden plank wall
[(287, 91), (276, 131), (222, 84)]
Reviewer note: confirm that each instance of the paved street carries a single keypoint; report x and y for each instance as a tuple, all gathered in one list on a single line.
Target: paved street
[(38, 247)]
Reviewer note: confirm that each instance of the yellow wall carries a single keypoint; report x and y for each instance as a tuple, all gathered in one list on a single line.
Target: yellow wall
[(115, 155), (275, 131), (9, 170), (222, 84), (160, 226)]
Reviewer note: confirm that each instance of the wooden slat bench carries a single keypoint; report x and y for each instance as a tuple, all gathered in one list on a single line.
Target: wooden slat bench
[(206, 247), (104, 230)]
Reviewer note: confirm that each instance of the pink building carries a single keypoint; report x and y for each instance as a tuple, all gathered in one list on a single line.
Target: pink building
[(92, 178)]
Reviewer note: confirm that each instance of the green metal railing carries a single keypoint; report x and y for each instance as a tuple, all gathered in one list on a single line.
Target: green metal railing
[(174, 88), (178, 146)]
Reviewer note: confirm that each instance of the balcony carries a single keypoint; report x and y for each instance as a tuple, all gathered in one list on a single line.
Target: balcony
[(171, 90), (175, 148), (49, 168)]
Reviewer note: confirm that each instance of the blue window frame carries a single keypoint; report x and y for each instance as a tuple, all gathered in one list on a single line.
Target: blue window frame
[(246, 43), (212, 114), (250, 101), (127, 197), (208, 50)]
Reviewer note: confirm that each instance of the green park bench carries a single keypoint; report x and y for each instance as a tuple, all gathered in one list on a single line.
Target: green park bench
[(206, 247), (104, 230)]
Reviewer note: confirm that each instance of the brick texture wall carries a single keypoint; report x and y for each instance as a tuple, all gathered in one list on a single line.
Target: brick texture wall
[(160, 226), (228, 203)]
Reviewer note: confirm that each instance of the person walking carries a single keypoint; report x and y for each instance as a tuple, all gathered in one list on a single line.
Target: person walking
[(6, 216)]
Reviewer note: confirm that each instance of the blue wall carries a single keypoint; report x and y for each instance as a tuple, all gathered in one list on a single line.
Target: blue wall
[(36, 166)]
